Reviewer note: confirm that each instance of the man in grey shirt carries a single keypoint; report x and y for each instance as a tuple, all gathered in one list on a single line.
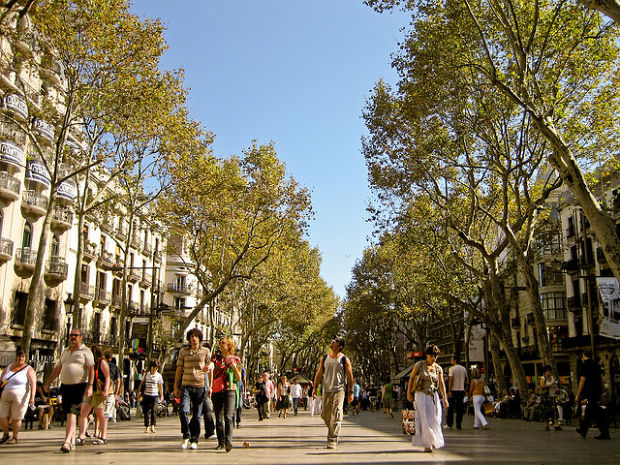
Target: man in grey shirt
[(331, 374)]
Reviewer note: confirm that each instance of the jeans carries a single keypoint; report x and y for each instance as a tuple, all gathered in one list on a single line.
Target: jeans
[(224, 408), (207, 413), (456, 405), (261, 407), (295, 404), (192, 397), (148, 408), (479, 418)]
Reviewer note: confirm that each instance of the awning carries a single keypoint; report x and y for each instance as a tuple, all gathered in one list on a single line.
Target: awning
[(301, 379)]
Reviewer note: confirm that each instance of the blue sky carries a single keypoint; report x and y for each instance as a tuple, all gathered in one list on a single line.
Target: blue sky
[(297, 73)]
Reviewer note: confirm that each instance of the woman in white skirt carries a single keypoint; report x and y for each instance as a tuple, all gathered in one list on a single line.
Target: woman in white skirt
[(426, 381)]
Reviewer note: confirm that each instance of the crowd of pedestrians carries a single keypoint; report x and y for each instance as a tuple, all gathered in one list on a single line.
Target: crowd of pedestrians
[(211, 387)]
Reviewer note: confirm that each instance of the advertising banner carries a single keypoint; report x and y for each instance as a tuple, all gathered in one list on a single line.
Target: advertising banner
[(37, 172), (610, 298), (11, 153), (67, 191)]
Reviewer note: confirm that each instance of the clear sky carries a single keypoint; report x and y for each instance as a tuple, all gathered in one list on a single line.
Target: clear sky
[(297, 73)]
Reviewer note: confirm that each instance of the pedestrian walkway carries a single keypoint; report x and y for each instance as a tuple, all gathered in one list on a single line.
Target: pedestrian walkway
[(368, 438)]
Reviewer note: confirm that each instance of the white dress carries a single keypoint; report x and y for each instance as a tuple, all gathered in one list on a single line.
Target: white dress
[(428, 418)]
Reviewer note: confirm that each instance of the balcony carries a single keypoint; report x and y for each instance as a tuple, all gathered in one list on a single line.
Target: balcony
[(121, 233), (134, 275), (147, 249), (157, 257), (102, 298), (45, 130), (62, 220), (106, 226), (6, 249), (34, 205), (50, 71), (117, 300), (146, 280), (90, 252), (133, 308), (136, 242), (87, 293), (25, 259), (106, 260), (56, 271), (179, 288), (10, 187)]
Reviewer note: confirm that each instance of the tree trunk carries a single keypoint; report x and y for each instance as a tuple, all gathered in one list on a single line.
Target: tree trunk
[(610, 8), (500, 380), (35, 291)]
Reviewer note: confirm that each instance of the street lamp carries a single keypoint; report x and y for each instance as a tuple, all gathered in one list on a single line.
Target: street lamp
[(69, 302)]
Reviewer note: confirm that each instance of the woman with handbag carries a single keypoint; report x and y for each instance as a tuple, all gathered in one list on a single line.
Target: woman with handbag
[(152, 389), (226, 373), (427, 381), (18, 383), (476, 393), (284, 402)]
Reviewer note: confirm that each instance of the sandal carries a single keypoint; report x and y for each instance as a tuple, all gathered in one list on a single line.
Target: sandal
[(99, 441), (80, 442), (66, 447), (12, 441)]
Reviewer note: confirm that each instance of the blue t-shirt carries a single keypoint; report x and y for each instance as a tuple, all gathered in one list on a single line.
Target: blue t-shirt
[(356, 390)]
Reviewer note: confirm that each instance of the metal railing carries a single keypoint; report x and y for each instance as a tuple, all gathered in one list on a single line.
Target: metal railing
[(34, 199), (26, 256), (9, 183)]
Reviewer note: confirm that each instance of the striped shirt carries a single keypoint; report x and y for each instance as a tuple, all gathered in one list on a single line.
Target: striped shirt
[(151, 384), (192, 362)]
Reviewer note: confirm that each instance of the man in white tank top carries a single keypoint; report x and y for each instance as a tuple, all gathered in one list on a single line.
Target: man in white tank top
[(331, 374)]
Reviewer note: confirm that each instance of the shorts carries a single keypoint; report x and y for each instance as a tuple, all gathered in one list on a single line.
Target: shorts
[(14, 404), (96, 400), (72, 397), (356, 401), (110, 407)]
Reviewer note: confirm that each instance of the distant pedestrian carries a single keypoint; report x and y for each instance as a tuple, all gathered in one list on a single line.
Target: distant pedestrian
[(226, 374), (426, 381), (296, 393), (152, 389), (207, 405), (96, 402), (19, 381), (589, 392), (284, 402), (332, 375), (387, 397), (457, 381), (477, 395), (240, 397), (356, 404), (189, 385), (77, 374), (261, 397), (549, 391), (270, 390)]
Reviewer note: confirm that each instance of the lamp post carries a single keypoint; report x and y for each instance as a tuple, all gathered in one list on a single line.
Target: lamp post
[(68, 314)]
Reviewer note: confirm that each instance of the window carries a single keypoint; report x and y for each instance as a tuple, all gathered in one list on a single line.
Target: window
[(55, 247), (113, 327), (19, 308), (50, 315), (179, 303), (27, 236), (84, 275), (549, 276)]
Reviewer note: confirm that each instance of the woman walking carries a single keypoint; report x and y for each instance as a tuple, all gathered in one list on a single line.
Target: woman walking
[(476, 393), (153, 385), (226, 373), (101, 386), (549, 390), (284, 402), (19, 381), (426, 381)]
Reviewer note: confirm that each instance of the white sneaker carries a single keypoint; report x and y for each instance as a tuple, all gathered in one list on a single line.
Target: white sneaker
[(185, 443), (193, 446)]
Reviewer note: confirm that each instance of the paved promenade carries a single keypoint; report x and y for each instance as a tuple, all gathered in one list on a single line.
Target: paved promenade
[(368, 438)]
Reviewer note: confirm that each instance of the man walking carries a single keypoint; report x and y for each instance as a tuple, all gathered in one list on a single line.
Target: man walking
[(296, 392), (189, 385), (590, 390), (77, 373), (333, 369), (270, 391), (457, 377)]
